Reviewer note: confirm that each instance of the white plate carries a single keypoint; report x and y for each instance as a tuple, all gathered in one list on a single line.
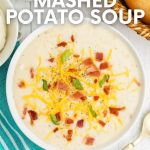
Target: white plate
[(11, 102), (12, 33)]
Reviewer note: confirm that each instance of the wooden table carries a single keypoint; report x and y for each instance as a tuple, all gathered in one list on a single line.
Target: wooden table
[(143, 48)]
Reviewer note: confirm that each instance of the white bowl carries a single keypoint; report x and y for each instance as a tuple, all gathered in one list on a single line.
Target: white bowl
[(11, 102), (12, 33)]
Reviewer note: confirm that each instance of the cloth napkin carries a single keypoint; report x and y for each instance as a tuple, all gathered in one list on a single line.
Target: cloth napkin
[(11, 137)]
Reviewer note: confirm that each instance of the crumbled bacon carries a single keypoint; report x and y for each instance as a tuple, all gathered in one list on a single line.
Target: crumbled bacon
[(106, 89), (21, 84), (69, 121), (96, 98), (88, 62), (62, 44), (95, 81), (58, 116), (33, 116), (32, 73), (136, 82), (61, 85), (76, 55), (49, 86), (104, 65), (24, 112), (94, 74), (89, 141), (79, 95), (80, 123), (72, 70), (92, 70), (102, 123), (51, 60), (72, 38), (83, 98), (55, 130), (99, 56), (115, 110), (69, 135)]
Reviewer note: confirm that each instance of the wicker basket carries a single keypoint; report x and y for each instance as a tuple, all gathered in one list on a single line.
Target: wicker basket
[(141, 28)]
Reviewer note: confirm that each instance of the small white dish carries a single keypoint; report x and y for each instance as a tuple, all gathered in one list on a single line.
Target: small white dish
[(12, 33), (12, 105)]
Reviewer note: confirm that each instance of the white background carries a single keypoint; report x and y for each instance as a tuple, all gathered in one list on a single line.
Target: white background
[(143, 48)]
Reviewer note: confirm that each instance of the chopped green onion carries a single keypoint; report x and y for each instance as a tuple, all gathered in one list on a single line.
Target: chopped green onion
[(92, 111), (102, 82), (65, 55), (45, 85), (54, 119), (77, 84)]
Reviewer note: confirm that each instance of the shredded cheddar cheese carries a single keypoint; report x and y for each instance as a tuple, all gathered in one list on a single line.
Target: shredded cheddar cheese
[(109, 55)]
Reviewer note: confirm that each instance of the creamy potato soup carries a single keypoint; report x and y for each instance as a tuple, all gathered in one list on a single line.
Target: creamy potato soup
[(77, 87)]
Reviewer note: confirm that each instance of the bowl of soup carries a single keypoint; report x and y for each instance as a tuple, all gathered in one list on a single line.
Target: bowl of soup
[(75, 87)]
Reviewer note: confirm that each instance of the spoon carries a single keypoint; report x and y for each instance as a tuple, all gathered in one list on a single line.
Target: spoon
[(144, 134)]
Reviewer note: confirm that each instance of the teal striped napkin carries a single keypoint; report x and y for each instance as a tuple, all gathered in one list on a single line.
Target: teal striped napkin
[(11, 138)]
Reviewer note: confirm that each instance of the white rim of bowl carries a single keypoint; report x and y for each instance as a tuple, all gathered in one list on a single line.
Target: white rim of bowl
[(11, 101), (14, 39)]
